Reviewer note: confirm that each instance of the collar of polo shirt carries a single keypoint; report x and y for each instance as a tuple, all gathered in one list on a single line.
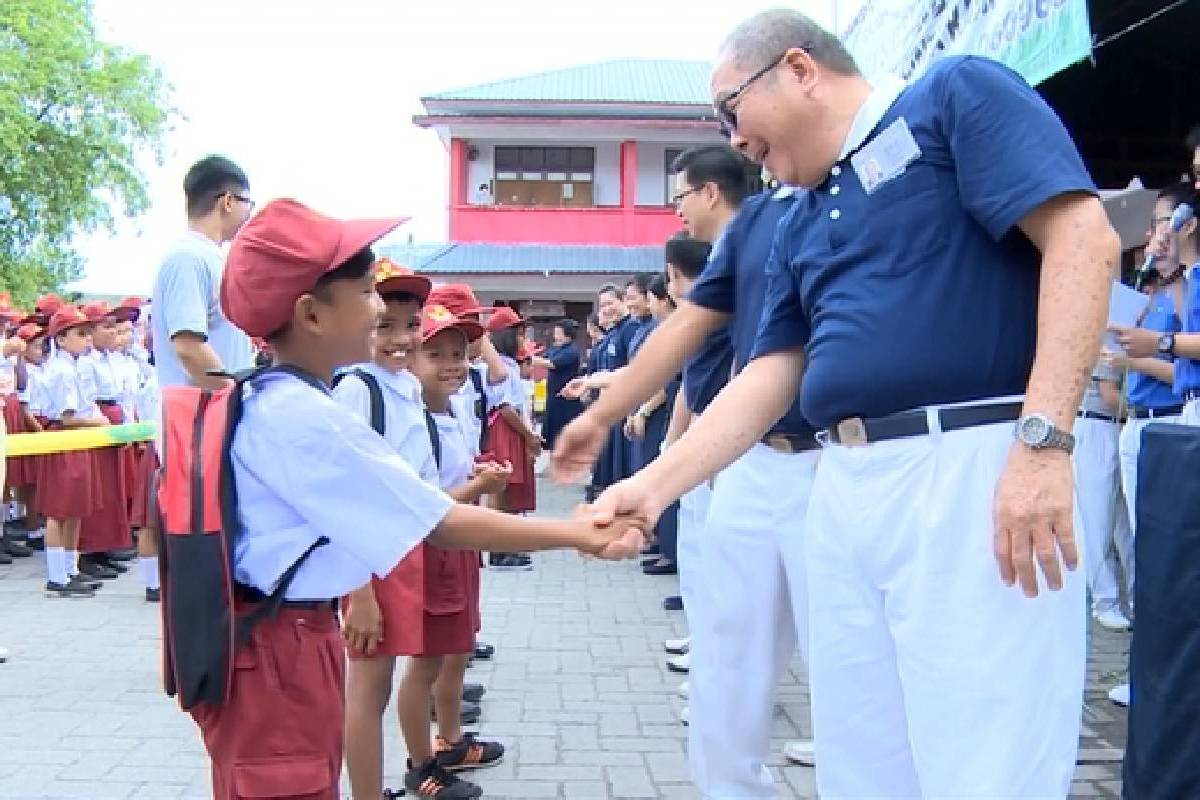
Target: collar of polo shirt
[(883, 94)]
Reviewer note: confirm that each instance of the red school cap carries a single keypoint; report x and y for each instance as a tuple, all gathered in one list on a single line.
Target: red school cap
[(392, 277), (29, 331), (437, 318), (503, 317), (280, 254), (457, 297), (66, 318)]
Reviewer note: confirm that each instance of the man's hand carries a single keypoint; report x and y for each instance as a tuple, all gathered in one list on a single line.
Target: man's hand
[(1137, 342), (577, 447), (620, 538), (1118, 362), (362, 627), (1034, 518), (631, 498)]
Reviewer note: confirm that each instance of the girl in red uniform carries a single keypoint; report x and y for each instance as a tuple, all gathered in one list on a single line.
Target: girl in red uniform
[(22, 470), (68, 487)]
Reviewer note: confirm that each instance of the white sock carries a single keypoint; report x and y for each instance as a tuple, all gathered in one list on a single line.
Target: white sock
[(56, 565), (148, 568), (72, 562)]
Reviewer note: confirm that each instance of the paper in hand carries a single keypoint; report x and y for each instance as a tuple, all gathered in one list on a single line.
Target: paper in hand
[(1125, 307)]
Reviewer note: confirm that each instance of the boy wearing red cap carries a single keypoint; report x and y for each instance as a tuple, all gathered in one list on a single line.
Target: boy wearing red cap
[(306, 283)]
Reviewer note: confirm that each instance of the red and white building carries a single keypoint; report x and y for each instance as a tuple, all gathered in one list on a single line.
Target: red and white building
[(560, 182)]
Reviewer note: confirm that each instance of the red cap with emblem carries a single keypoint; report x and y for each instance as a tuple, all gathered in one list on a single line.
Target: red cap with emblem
[(503, 317), (392, 277), (65, 318), (437, 318), (457, 297), (280, 254)]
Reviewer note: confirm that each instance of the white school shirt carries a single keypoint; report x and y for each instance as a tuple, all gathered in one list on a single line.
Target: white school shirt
[(129, 383), (458, 456), (34, 393), (64, 390), (404, 426), (462, 405), (307, 467), (512, 390), (8, 375)]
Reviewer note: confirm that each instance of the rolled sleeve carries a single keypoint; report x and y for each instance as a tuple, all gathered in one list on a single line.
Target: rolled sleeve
[(784, 325), (1012, 154), (185, 287), (716, 288)]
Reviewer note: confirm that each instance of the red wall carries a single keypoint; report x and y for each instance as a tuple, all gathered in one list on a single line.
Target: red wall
[(615, 226)]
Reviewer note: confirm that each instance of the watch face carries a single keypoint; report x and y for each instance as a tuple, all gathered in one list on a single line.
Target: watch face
[(1033, 430)]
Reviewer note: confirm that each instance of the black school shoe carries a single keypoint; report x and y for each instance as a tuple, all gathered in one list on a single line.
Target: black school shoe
[(71, 588), (483, 651), (84, 580), (659, 568), (434, 782), (5, 558), (673, 603), (153, 595), (15, 547), (473, 692), (468, 753), (121, 555), (92, 567)]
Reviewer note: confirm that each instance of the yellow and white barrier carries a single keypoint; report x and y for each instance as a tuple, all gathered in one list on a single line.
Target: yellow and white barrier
[(39, 444)]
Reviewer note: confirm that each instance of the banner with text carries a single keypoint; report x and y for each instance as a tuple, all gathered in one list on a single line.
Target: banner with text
[(1037, 38)]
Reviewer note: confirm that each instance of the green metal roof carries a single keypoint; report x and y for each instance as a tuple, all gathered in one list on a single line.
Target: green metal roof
[(620, 81)]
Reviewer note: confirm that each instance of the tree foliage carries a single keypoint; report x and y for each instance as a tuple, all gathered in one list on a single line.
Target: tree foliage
[(76, 113)]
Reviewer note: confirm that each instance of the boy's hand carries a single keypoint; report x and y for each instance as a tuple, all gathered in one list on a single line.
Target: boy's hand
[(621, 538), (493, 477), (362, 627)]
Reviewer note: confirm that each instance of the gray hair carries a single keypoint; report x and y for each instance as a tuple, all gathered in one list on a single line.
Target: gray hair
[(770, 34)]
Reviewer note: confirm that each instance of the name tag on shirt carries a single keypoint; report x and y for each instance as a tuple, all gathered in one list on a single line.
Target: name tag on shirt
[(886, 156)]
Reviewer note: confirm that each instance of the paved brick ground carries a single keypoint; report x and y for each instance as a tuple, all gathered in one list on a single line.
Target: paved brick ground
[(579, 693)]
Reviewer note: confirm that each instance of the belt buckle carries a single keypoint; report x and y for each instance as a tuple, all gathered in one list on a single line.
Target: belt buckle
[(852, 432)]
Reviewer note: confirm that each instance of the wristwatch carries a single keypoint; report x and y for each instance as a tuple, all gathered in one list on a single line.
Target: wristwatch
[(1037, 432), (1166, 344)]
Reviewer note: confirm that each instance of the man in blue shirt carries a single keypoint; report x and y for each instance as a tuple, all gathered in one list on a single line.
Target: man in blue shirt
[(743, 635), (940, 280)]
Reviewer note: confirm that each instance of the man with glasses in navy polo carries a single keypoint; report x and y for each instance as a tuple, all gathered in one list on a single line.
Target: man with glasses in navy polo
[(941, 288)]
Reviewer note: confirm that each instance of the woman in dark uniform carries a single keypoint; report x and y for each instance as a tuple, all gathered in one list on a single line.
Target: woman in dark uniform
[(562, 361)]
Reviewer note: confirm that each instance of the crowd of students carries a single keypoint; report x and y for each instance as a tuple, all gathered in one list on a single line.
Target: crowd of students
[(67, 367)]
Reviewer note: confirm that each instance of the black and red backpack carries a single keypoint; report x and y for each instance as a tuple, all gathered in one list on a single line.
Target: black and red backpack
[(198, 525)]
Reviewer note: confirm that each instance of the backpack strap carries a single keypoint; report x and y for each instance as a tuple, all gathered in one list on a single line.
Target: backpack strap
[(435, 438), (269, 607), (374, 392), (481, 409)]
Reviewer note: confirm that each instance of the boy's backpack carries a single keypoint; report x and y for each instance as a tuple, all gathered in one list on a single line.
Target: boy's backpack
[(198, 524), (378, 417)]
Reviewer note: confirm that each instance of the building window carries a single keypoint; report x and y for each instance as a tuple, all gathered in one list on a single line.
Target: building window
[(545, 176), (668, 162)]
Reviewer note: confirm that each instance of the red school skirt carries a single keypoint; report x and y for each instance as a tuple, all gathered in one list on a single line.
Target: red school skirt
[(20, 470), (107, 527), (68, 486), (145, 470), (507, 445)]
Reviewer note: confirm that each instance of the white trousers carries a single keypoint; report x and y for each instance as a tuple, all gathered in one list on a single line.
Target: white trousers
[(1130, 448), (1102, 508), (752, 554), (1191, 413), (930, 678), (693, 513)]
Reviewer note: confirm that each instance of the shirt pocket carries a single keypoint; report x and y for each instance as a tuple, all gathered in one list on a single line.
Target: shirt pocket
[(905, 228)]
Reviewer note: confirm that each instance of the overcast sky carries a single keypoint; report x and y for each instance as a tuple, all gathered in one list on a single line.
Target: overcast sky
[(314, 98)]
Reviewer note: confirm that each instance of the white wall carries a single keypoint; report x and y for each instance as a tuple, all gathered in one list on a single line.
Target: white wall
[(607, 176), (651, 187)]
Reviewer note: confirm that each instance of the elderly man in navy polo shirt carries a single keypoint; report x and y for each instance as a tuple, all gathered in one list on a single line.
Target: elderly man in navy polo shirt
[(941, 288)]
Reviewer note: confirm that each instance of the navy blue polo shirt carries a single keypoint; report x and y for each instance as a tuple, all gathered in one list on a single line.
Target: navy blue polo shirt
[(707, 371), (924, 291), (735, 281), (614, 347)]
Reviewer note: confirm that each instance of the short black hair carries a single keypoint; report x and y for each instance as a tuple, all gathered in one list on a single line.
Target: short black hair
[(593, 319), (610, 288), (207, 180), (687, 255), (718, 164), (505, 341), (402, 297), (570, 327), (641, 280), (1180, 192), (658, 286), (354, 268), (1193, 139)]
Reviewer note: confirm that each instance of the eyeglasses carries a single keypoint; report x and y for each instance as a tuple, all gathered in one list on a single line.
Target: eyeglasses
[(239, 197), (677, 198), (727, 116), (1156, 221)]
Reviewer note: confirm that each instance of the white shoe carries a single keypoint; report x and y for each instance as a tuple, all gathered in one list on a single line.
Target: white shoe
[(678, 647), (1120, 695), (683, 690), (1113, 620), (684, 714), (681, 664), (801, 753)]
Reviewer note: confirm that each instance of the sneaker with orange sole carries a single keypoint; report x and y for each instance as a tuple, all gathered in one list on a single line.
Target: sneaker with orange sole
[(431, 781), (468, 753)]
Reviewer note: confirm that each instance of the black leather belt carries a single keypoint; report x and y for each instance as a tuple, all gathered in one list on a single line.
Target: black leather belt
[(107, 403), (1099, 416), (249, 594), (791, 443), (858, 431), (1141, 412)]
